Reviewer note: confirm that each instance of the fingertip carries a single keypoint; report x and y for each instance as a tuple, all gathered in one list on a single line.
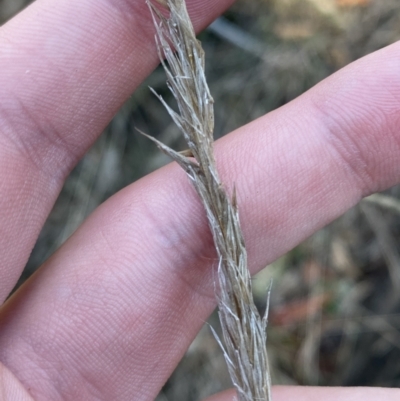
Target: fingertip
[(306, 393)]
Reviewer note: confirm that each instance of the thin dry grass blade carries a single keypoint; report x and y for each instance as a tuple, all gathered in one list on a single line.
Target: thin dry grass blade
[(243, 328)]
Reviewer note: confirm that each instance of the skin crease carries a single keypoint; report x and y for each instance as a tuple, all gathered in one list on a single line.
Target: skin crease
[(111, 313)]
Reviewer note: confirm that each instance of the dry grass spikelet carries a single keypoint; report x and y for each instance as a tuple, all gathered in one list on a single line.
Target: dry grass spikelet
[(244, 331)]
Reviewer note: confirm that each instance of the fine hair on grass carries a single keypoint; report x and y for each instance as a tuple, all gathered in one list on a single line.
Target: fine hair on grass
[(244, 331)]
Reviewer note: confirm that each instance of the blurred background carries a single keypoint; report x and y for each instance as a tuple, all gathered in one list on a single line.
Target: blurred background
[(335, 301)]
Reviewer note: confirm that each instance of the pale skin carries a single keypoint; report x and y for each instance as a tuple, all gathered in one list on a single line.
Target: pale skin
[(109, 316)]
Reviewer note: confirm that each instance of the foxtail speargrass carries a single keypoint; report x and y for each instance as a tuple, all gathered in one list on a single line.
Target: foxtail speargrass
[(244, 331)]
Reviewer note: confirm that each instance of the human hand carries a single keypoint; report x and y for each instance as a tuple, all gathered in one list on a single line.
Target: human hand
[(111, 313)]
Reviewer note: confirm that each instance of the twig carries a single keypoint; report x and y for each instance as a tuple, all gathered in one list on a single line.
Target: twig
[(385, 201), (243, 329), (238, 37)]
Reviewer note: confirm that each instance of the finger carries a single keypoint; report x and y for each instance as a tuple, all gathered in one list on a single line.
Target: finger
[(10, 388), (297, 393), (117, 306), (66, 67)]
